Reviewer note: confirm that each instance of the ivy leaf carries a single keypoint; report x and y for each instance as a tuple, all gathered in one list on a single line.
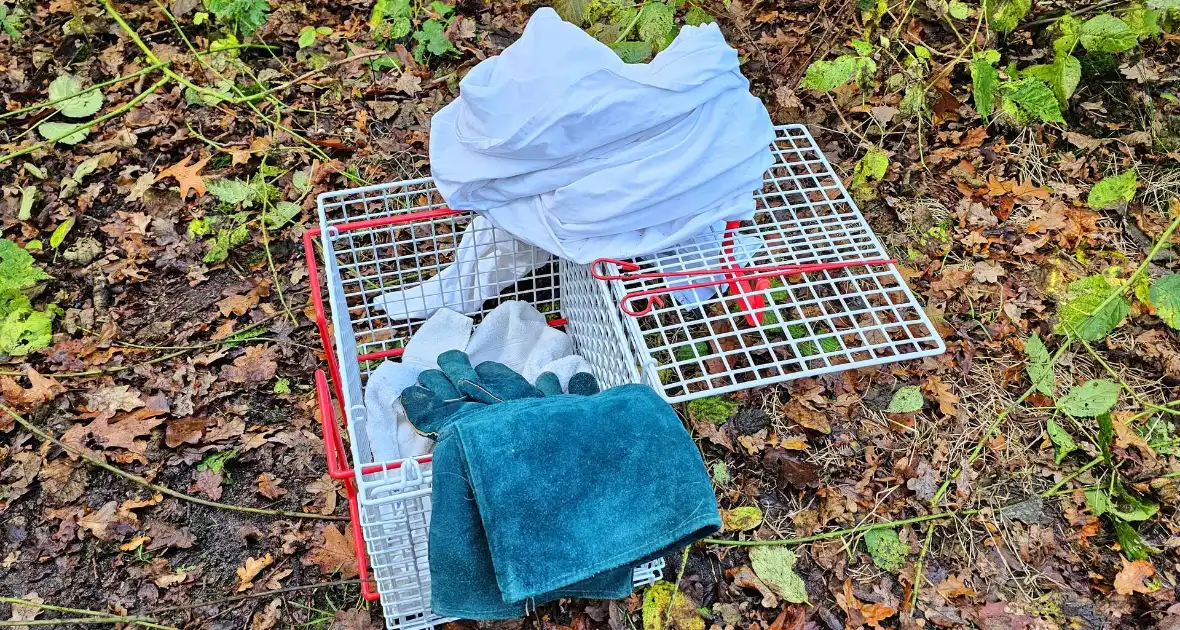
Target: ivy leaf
[(887, 550), (776, 567), (656, 19), (1033, 98), (17, 268), (1063, 443), (906, 400), (80, 106), (1063, 75), (825, 76), (697, 16), (984, 78), (54, 131), (1092, 398), (572, 11), (1165, 298), (1111, 191), (1005, 15), (1106, 33), (1080, 314), (1040, 366), (632, 52), (871, 167)]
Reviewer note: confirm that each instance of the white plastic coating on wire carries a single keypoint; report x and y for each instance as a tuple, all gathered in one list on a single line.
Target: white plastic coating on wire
[(359, 265), (811, 323)]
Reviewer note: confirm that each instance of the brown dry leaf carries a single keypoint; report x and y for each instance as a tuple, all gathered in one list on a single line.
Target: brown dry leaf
[(408, 83), (184, 431), (208, 483), (23, 612), (63, 480), (171, 579), (1131, 578), (791, 470), (186, 175), (133, 543), (109, 522), (257, 365), (250, 570), (266, 618), (941, 392), (164, 535), (712, 432), (105, 402), (1127, 438), (41, 389), (744, 577), (122, 433), (237, 304), (353, 619), (334, 554), (952, 587), (329, 488), (274, 582), (268, 486)]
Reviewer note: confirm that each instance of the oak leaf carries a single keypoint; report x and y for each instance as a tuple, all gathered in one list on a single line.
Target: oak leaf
[(186, 175), (334, 554), (250, 570), (1130, 579)]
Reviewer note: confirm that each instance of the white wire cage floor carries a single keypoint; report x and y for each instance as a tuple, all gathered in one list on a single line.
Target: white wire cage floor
[(810, 323)]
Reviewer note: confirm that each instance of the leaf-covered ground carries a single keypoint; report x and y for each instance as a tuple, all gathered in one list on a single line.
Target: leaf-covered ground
[(158, 343)]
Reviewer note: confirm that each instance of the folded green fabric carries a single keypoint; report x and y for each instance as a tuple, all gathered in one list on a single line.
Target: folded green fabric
[(540, 498)]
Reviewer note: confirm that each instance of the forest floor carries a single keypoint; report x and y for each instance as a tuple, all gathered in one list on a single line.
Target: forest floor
[(160, 342)]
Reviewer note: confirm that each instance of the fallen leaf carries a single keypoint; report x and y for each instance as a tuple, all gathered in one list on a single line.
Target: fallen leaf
[(986, 272), (208, 483), (109, 522), (353, 619), (105, 402), (741, 518), (268, 486), (776, 567), (268, 617), (952, 587), (171, 579), (334, 554), (745, 577), (122, 433), (408, 83), (792, 470), (133, 543), (24, 612), (41, 389), (257, 365), (712, 432), (274, 582), (63, 480), (941, 392), (164, 536), (665, 606), (1130, 579), (184, 431), (186, 175), (250, 570)]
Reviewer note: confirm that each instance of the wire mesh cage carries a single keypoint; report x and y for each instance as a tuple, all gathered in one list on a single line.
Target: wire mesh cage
[(752, 329), (375, 242)]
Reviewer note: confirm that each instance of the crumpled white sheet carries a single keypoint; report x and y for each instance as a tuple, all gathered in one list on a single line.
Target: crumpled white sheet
[(514, 333), (563, 145), (487, 260)]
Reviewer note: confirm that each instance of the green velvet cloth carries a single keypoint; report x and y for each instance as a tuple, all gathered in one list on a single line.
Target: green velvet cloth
[(552, 495)]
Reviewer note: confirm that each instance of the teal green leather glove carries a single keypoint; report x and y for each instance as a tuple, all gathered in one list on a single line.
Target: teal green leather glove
[(444, 395)]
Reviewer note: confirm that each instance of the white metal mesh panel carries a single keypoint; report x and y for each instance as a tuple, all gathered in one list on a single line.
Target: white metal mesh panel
[(595, 327), (811, 323)]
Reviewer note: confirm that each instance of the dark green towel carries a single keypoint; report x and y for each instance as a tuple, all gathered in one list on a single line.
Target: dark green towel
[(559, 496)]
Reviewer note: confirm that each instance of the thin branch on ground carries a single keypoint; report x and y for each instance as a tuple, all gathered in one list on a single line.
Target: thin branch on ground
[(260, 594), (156, 487), (96, 86)]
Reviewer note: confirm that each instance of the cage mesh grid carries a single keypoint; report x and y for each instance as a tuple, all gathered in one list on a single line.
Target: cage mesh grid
[(359, 266), (810, 323)]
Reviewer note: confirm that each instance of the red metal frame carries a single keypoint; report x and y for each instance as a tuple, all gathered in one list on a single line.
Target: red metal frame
[(334, 450)]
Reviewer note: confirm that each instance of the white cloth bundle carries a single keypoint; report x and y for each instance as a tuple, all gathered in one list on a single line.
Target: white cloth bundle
[(514, 334), (560, 143)]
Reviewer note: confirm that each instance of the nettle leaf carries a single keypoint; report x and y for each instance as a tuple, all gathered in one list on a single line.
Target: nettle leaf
[(825, 76), (1063, 75), (1123, 505), (1070, 31), (861, 47), (231, 191), (872, 167), (54, 130), (1040, 366), (1063, 443), (573, 11), (431, 37), (776, 567), (1133, 545), (906, 400), (1107, 33), (1113, 190), (697, 16), (279, 214), (1034, 98), (1165, 298), (23, 330), (1163, 5), (79, 106), (1090, 399), (888, 551), (656, 21), (1080, 314), (959, 10), (1005, 15), (632, 52), (17, 268), (984, 78), (244, 16), (1143, 21)]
